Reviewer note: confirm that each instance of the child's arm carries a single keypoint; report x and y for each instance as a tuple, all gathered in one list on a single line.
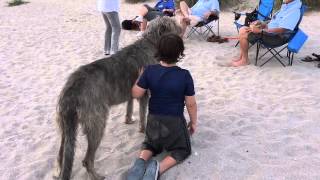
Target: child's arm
[(137, 91), (191, 105)]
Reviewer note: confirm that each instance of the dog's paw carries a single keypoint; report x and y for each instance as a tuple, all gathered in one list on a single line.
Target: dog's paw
[(56, 172), (129, 120)]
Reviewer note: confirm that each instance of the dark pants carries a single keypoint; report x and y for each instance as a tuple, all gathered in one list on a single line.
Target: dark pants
[(168, 133)]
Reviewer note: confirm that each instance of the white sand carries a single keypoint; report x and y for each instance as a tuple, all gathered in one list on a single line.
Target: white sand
[(254, 123)]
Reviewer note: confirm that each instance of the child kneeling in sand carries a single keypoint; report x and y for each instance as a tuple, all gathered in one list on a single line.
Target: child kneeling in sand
[(171, 88)]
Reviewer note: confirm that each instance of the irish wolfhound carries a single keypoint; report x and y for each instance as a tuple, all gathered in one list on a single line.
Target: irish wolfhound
[(92, 89)]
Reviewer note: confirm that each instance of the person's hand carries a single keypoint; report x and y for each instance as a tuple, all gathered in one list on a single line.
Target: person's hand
[(206, 15), (192, 127), (255, 22), (256, 30)]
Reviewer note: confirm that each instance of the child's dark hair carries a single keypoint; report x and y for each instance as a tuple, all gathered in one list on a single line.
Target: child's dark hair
[(170, 48)]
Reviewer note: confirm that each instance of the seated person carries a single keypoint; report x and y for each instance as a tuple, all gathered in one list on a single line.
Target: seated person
[(275, 33), (201, 11), (147, 13)]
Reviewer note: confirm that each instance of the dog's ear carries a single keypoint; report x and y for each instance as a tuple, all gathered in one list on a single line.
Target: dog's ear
[(162, 30)]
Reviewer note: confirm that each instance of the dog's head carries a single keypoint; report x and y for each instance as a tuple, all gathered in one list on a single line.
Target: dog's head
[(161, 25)]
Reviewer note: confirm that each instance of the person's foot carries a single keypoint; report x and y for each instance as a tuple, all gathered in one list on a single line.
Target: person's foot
[(236, 59), (152, 171), (136, 172), (239, 63)]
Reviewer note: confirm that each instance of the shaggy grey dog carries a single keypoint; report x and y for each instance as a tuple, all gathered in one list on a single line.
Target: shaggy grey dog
[(92, 89)]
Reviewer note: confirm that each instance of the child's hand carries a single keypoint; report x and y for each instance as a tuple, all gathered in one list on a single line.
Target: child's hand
[(192, 127)]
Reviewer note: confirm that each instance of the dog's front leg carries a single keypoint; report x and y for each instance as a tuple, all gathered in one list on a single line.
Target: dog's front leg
[(143, 103), (129, 112)]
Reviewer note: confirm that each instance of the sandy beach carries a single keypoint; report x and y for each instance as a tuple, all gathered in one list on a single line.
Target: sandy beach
[(254, 123)]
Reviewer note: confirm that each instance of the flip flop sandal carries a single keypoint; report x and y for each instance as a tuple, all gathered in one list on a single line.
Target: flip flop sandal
[(214, 39), (317, 56), (307, 59)]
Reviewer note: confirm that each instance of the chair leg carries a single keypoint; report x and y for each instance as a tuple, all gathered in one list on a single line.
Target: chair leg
[(275, 56), (237, 44), (292, 59), (192, 30), (257, 53), (218, 27)]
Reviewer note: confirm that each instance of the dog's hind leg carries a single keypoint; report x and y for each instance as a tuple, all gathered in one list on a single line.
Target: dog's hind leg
[(57, 173), (94, 134), (143, 103), (129, 112)]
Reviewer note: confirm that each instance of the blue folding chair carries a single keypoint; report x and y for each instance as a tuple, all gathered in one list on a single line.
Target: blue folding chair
[(296, 41), (262, 13)]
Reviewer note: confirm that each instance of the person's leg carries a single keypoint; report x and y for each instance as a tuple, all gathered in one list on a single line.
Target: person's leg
[(244, 47), (145, 154), (116, 29), (166, 164), (143, 25), (137, 171), (107, 39), (184, 9), (143, 10)]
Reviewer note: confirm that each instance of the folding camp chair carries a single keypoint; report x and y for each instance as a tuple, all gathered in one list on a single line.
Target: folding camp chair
[(298, 38), (207, 25), (262, 13)]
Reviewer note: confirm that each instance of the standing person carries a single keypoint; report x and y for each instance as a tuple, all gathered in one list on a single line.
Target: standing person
[(171, 88), (109, 10)]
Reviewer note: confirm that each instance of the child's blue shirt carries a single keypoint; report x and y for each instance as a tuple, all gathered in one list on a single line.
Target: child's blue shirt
[(168, 87)]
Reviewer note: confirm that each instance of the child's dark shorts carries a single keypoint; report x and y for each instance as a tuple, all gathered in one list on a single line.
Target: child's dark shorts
[(168, 133)]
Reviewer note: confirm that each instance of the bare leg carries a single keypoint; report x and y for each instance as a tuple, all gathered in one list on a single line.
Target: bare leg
[(167, 163), (244, 48), (184, 9), (142, 11), (145, 155), (94, 136), (143, 25), (129, 112), (143, 102), (185, 14)]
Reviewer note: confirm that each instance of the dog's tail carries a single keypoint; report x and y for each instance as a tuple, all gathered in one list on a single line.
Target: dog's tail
[(68, 123)]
